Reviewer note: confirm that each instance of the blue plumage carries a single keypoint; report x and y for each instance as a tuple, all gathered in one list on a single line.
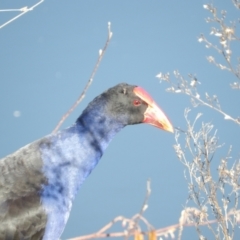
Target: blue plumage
[(39, 182), (69, 157)]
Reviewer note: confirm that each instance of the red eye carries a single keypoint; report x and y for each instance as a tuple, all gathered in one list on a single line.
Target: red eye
[(136, 102)]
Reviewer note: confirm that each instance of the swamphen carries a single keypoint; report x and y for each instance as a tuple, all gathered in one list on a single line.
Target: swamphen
[(39, 181)]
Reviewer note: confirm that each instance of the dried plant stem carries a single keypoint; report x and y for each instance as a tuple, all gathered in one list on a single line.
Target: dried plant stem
[(145, 205), (225, 115), (131, 226), (169, 230), (82, 95), (226, 33), (189, 88), (22, 10)]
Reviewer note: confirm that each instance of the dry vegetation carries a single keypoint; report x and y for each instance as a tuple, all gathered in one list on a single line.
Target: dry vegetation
[(215, 198)]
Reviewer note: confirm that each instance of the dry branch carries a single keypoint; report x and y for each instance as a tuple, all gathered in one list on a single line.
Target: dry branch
[(82, 95), (23, 11)]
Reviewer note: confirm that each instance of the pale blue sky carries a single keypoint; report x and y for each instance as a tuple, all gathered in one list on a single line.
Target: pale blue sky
[(46, 59)]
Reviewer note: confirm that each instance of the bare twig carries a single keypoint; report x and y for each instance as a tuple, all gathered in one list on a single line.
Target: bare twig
[(145, 203), (204, 191), (82, 95), (131, 226), (226, 34), (23, 10), (189, 87), (161, 232)]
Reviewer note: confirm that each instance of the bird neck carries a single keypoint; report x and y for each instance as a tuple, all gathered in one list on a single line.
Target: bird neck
[(69, 156), (99, 127)]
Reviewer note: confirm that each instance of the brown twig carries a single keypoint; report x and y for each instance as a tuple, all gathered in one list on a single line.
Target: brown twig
[(82, 95)]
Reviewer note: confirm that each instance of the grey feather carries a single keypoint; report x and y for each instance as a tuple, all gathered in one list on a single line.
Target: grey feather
[(20, 184)]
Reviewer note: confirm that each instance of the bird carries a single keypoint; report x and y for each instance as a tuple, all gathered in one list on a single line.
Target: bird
[(39, 182)]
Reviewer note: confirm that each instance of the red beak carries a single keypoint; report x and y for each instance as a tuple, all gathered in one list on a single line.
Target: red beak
[(153, 114)]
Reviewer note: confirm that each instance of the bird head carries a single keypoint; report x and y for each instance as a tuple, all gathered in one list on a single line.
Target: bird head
[(132, 105)]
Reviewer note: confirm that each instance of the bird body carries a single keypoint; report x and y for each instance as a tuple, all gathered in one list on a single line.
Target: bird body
[(38, 182)]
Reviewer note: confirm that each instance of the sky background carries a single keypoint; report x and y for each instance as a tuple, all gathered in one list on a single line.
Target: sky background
[(48, 55)]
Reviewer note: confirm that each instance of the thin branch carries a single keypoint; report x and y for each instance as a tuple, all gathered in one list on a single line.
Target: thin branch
[(226, 34), (22, 10), (226, 116), (145, 203), (131, 226), (159, 232), (82, 95), (13, 10), (183, 86)]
